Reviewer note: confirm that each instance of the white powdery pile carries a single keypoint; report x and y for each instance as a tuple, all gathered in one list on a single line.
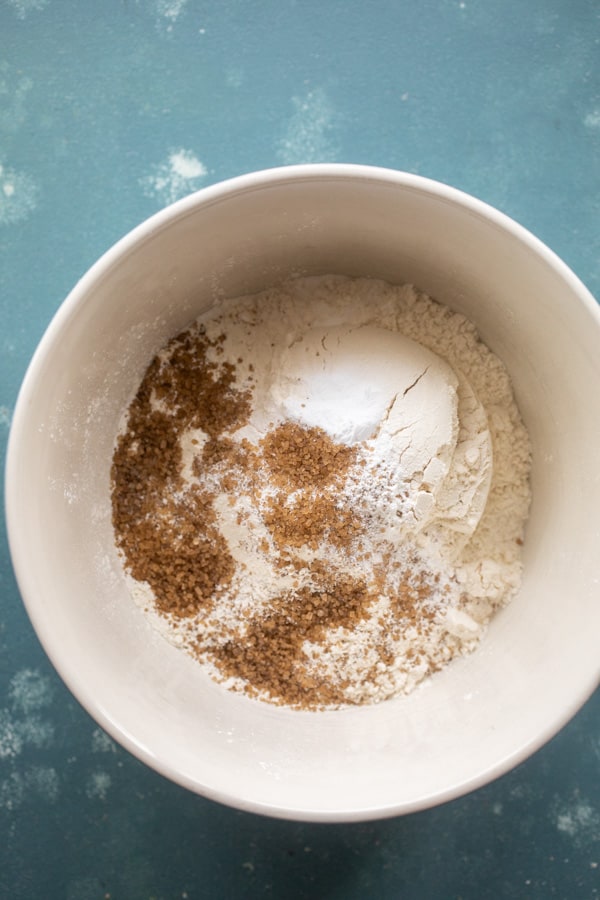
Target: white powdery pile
[(445, 474)]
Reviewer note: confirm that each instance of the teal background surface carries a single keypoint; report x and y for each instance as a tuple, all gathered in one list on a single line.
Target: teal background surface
[(108, 112)]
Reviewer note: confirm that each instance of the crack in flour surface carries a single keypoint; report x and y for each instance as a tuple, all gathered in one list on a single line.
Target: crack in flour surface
[(320, 491)]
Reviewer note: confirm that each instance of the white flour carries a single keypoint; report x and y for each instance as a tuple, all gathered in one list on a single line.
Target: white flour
[(444, 478)]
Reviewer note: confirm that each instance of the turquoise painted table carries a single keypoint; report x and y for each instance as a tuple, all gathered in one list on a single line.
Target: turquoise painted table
[(109, 111)]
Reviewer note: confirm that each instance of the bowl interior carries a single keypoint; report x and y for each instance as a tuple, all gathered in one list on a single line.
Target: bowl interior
[(469, 723)]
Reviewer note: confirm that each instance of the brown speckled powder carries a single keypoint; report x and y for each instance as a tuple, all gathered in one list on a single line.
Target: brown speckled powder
[(299, 457), (168, 535), (168, 532), (267, 654), (202, 507)]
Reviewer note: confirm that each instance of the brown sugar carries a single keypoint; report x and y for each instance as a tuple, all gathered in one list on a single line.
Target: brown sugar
[(300, 457), (308, 520), (170, 540), (268, 654)]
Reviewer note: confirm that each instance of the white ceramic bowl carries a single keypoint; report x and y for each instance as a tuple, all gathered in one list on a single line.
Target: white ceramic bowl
[(470, 723)]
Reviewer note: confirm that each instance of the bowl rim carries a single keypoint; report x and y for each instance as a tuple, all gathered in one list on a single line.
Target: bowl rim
[(136, 237)]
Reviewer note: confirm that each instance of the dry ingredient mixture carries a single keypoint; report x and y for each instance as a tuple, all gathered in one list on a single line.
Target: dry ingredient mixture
[(320, 491)]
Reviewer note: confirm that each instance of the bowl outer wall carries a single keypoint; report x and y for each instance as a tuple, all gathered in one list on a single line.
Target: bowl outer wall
[(476, 719)]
